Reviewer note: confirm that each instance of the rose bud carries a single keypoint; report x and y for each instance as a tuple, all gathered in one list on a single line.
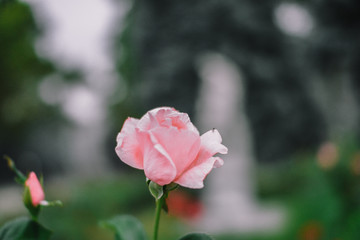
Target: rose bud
[(36, 191)]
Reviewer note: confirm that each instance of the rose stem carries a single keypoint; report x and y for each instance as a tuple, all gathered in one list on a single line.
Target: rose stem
[(159, 204)]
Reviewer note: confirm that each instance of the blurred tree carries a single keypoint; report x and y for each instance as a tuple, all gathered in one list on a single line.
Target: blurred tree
[(334, 52), (21, 69), (161, 44)]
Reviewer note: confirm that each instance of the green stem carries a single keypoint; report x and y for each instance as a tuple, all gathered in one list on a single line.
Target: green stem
[(159, 204)]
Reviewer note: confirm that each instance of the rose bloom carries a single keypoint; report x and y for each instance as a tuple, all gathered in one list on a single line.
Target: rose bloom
[(168, 147), (35, 188)]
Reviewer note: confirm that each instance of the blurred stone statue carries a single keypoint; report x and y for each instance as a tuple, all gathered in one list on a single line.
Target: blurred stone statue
[(229, 193)]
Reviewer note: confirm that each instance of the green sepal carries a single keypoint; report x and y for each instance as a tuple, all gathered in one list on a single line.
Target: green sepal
[(34, 211), (171, 186), (167, 189), (24, 228), (125, 227), (56, 203), (165, 207), (156, 190), (196, 236)]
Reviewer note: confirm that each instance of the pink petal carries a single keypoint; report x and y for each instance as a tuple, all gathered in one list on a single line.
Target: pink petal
[(36, 190), (158, 166), (194, 176), (182, 121), (128, 148), (150, 119), (166, 116), (181, 145), (178, 119), (210, 145)]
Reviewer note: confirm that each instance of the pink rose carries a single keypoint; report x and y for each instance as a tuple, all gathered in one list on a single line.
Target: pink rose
[(169, 148), (35, 188)]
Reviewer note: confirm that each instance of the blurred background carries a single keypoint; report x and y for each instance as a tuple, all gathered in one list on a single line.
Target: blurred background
[(280, 80)]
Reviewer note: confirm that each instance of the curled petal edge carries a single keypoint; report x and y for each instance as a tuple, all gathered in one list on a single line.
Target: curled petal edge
[(194, 177)]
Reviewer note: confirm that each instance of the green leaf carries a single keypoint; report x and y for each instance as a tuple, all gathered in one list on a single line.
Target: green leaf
[(24, 228), (196, 236), (156, 190), (126, 227)]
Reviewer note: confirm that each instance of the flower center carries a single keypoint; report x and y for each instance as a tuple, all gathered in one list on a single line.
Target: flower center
[(173, 122)]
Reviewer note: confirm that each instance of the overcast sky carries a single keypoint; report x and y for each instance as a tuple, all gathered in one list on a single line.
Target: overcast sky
[(77, 32)]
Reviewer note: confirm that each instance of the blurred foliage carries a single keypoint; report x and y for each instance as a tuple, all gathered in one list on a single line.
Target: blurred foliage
[(20, 70), (24, 228), (26, 122), (125, 227), (333, 51), (336, 44), (86, 204), (321, 193)]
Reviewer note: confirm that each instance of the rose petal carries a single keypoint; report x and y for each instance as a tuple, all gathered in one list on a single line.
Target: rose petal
[(158, 166), (182, 121), (151, 118), (128, 148), (210, 145), (194, 177), (35, 188), (181, 145), (166, 116)]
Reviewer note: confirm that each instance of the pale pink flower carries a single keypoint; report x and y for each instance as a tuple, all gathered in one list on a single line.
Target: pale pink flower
[(35, 188), (168, 147)]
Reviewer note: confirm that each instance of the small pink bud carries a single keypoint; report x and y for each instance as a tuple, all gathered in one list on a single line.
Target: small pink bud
[(36, 190)]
